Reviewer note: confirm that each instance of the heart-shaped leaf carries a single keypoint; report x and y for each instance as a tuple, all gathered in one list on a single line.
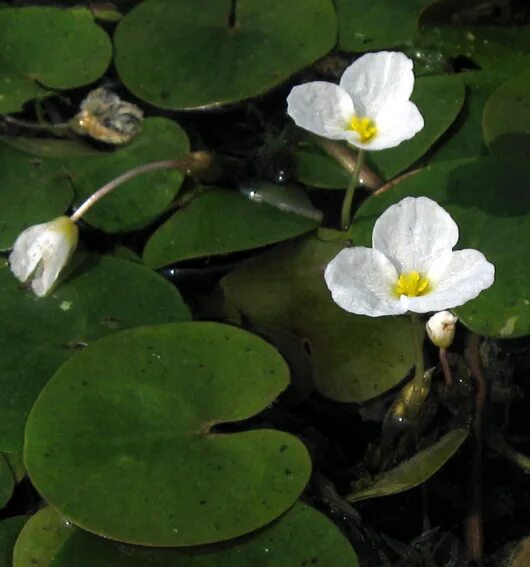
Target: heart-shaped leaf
[(179, 54), (220, 222), (37, 335), (489, 200), (45, 48), (413, 471), (355, 357), (132, 436)]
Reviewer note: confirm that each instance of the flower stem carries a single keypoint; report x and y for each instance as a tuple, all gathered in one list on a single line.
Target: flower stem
[(345, 216), (108, 187), (417, 341)]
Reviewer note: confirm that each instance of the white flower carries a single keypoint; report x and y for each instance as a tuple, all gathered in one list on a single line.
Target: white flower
[(411, 266), (41, 251), (441, 328), (370, 108)]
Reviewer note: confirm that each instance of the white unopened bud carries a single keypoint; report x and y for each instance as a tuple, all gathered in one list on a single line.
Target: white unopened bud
[(41, 251), (441, 328)]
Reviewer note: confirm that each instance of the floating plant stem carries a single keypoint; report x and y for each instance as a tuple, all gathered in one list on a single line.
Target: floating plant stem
[(345, 217), (108, 187)]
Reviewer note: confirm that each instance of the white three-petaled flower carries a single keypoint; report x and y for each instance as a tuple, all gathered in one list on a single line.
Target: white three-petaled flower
[(370, 108), (40, 252), (411, 267)]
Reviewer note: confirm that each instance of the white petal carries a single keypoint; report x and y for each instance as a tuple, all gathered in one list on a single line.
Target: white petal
[(467, 274), (57, 249), (395, 124), (361, 281), (378, 79), (26, 252), (322, 108), (414, 233)]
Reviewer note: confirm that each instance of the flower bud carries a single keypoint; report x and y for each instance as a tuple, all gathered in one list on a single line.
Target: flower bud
[(441, 328), (41, 251)]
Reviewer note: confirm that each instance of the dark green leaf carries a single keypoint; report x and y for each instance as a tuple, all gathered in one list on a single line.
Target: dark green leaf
[(132, 436), (179, 54)]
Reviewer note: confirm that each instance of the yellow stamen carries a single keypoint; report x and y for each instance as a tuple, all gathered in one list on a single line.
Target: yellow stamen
[(412, 284), (365, 127)]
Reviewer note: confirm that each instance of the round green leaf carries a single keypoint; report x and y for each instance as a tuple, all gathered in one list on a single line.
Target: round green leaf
[(41, 538), (37, 335), (138, 201), (32, 190), (440, 99), (220, 222), (45, 48), (7, 482), (413, 471), (355, 357), (302, 536), (366, 26), (506, 119), (9, 530), (489, 200), (179, 54), (132, 437)]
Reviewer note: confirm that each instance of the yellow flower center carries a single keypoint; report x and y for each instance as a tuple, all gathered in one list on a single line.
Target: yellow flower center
[(365, 127), (412, 284)]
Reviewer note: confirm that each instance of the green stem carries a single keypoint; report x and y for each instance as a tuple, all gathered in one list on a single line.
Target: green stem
[(107, 188), (417, 341), (345, 217)]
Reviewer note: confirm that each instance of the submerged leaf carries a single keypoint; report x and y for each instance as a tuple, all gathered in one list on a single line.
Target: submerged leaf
[(413, 471)]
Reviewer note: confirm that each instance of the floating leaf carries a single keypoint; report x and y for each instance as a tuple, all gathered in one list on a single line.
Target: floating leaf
[(37, 335), (440, 99), (7, 482), (9, 530), (464, 138), (179, 54), (367, 26), (132, 437), (490, 202), (302, 537), (414, 471), (45, 48), (506, 119), (220, 222), (142, 199), (41, 538), (355, 357), (32, 191)]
